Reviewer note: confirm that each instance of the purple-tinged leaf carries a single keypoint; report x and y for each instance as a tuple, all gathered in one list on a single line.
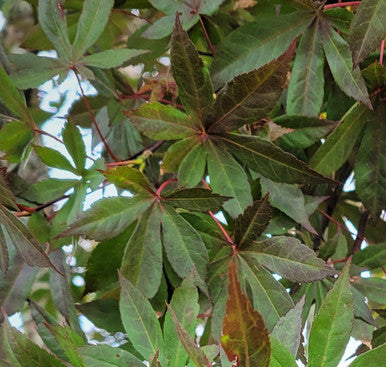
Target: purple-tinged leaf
[(288, 257), (191, 75)]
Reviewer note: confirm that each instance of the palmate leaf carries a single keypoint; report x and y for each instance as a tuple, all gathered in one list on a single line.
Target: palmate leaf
[(338, 146), (339, 59), (110, 58), (331, 328), (288, 257), (257, 43), (253, 222), (142, 260), (370, 167), (184, 303), (269, 297), (192, 167), (269, 160), (371, 257), (176, 154), (249, 97), (305, 90), (194, 86), (244, 336), (140, 321), (74, 143), (368, 29)]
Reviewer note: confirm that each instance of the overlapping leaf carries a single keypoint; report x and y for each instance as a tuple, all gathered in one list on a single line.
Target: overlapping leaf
[(244, 337), (331, 328)]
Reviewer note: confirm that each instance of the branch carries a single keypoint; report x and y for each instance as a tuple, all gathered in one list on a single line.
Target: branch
[(361, 231), (112, 155)]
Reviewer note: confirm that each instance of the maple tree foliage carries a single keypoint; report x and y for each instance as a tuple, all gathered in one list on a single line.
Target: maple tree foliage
[(246, 143)]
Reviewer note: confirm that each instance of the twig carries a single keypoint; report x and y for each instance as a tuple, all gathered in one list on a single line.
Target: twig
[(127, 12), (361, 231), (341, 5), (88, 107), (206, 36)]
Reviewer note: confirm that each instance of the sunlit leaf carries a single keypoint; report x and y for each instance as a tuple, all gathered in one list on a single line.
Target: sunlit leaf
[(110, 58), (14, 137), (332, 325), (244, 336), (53, 158), (280, 356), (73, 141)]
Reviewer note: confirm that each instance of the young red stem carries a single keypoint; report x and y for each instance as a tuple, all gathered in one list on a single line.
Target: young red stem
[(226, 235), (88, 107), (341, 5), (206, 36), (163, 185), (382, 51)]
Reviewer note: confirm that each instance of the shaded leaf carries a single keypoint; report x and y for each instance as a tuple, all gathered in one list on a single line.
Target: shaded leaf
[(158, 121), (288, 257), (305, 90), (49, 189), (92, 21), (244, 336), (27, 245), (108, 217), (4, 256), (370, 167), (256, 43), (228, 178), (192, 167), (32, 70), (14, 137), (53, 158), (22, 352), (196, 199), (197, 356), (128, 178), (183, 245), (252, 223), (194, 86), (185, 306), (367, 30), (372, 358), (371, 257), (103, 355), (13, 99), (331, 328), (288, 329), (269, 297), (140, 321), (289, 199), (110, 58), (53, 22), (250, 96), (269, 160), (6, 195), (280, 356), (339, 144), (339, 59), (142, 260), (372, 288), (177, 153), (74, 143)]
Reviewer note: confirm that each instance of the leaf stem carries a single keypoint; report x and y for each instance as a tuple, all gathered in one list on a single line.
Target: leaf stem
[(226, 235), (206, 36), (129, 13), (163, 185), (112, 155), (381, 52), (342, 5), (147, 96)]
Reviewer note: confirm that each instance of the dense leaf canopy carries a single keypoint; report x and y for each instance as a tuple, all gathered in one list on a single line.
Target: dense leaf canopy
[(244, 144)]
